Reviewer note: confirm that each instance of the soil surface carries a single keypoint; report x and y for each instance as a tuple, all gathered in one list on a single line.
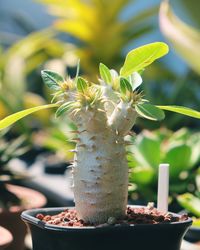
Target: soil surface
[(140, 215)]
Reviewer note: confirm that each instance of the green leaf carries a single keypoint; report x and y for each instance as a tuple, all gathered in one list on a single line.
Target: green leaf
[(182, 110), (63, 108), (81, 84), (136, 80), (142, 175), (9, 120), (143, 56), (51, 79), (178, 156), (105, 73), (150, 112), (190, 203), (125, 86), (184, 38), (146, 150)]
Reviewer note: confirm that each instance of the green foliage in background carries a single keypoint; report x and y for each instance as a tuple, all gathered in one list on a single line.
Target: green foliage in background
[(9, 150), (180, 149), (184, 38), (164, 86), (191, 204), (99, 29)]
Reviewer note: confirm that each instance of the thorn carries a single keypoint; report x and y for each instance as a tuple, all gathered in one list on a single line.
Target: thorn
[(93, 138), (81, 145), (72, 162), (117, 132), (74, 131), (74, 140), (131, 133), (83, 131), (127, 143), (101, 110), (73, 151)]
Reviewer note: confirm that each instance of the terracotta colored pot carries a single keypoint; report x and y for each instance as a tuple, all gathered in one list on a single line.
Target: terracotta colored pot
[(10, 219), (5, 238), (166, 236)]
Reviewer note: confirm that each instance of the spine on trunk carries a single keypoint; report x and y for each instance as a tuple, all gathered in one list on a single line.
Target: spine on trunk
[(100, 170)]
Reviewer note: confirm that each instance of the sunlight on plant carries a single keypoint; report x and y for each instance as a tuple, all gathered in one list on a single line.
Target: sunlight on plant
[(102, 32), (184, 38)]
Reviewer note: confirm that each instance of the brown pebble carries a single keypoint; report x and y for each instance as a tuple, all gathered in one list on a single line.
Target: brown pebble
[(141, 215), (40, 216)]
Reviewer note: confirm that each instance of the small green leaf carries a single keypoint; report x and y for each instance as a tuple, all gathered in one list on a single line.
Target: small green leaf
[(143, 56), (178, 157), (182, 110), (150, 112), (190, 203), (105, 73), (136, 80), (63, 108), (81, 84), (9, 120), (51, 79), (125, 86)]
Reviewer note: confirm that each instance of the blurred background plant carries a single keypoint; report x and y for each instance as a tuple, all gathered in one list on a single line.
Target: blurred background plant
[(10, 150), (102, 33), (184, 37), (180, 149), (191, 204)]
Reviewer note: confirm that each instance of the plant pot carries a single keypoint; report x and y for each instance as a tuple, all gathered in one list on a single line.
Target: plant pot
[(5, 238), (10, 219), (139, 237), (193, 234)]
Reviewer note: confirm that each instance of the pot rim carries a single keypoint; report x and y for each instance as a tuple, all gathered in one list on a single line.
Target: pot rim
[(29, 217)]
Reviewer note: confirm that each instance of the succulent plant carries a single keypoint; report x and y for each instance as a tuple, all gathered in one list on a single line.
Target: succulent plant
[(180, 149), (191, 203), (9, 150), (103, 114)]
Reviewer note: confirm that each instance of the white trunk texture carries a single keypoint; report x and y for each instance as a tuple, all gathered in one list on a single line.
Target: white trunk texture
[(100, 170)]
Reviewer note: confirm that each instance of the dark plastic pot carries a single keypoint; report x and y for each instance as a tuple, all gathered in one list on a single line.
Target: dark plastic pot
[(138, 237), (193, 234)]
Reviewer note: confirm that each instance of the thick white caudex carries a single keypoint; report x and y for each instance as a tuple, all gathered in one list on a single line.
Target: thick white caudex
[(100, 170)]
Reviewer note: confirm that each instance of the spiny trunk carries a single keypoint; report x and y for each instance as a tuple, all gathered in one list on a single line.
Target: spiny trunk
[(100, 173)]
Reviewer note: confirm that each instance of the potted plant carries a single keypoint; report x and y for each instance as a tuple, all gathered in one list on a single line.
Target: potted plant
[(104, 113), (14, 198)]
